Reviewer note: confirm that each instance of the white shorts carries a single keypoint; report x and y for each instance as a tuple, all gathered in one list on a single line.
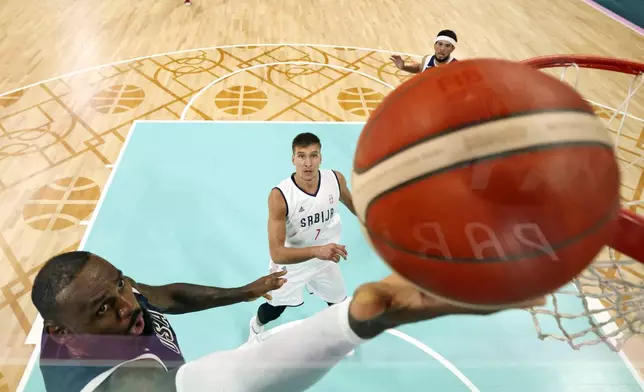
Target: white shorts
[(326, 283)]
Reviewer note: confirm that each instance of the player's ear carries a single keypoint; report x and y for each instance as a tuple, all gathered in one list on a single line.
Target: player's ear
[(59, 334), (293, 159)]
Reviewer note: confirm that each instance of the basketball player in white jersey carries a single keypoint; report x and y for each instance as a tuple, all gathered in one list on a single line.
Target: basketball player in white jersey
[(304, 228), (444, 45)]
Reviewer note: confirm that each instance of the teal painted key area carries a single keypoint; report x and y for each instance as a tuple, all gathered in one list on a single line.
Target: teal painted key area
[(188, 203)]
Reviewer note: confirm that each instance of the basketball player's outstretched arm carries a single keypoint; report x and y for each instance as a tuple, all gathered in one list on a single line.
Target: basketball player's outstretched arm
[(296, 358), (411, 68), (178, 298), (280, 254), (345, 193)]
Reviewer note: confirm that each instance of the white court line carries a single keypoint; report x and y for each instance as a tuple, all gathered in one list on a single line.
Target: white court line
[(195, 50), (442, 360), (209, 85), (632, 369), (33, 338), (404, 337)]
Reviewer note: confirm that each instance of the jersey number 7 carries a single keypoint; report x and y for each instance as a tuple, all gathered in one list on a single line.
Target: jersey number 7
[(317, 234)]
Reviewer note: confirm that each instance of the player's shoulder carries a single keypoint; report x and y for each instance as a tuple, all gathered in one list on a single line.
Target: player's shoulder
[(285, 183), (337, 175), (332, 172), (277, 201), (277, 193)]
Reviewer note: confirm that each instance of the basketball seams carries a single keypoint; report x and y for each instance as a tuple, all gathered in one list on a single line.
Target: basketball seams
[(363, 218), (491, 142), (464, 127), (473, 161), (484, 142), (514, 257)]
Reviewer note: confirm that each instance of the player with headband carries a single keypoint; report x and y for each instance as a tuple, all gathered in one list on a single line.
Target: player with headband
[(444, 45)]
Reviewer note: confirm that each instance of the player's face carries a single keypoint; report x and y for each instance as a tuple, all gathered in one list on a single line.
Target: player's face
[(307, 161), (100, 301), (442, 50)]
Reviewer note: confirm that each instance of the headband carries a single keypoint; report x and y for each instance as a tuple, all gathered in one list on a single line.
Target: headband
[(446, 39)]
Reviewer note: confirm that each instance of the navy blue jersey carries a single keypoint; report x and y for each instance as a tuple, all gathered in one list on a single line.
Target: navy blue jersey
[(65, 373), (431, 62)]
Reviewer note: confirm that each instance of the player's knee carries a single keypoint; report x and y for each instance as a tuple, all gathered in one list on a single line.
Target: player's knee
[(267, 312)]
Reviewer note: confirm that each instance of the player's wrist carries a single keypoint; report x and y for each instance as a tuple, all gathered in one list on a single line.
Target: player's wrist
[(242, 294), (315, 252), (365, 329)]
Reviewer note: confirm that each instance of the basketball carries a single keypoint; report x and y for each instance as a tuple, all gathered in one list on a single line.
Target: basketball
[(486, 182)]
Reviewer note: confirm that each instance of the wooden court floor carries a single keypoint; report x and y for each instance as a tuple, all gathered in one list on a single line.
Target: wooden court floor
[(58, 139)]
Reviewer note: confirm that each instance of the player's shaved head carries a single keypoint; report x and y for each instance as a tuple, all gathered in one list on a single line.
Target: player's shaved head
[(57, 273)]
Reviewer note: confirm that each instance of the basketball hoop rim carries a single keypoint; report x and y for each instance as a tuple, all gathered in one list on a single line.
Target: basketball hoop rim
[(586, 61)]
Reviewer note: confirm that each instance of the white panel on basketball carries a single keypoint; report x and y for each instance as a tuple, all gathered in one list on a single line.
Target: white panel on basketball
[(479, 141)]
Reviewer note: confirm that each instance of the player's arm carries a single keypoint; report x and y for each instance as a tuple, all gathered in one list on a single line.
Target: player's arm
[(345, 193), (411, 68), (280, 254), (178, 298), (292, 360)]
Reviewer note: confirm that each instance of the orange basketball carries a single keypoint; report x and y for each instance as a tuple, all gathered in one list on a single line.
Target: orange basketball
[(486, 182)]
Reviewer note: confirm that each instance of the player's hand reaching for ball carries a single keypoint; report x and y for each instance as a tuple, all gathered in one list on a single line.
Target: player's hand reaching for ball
[(398, 61), (332, 252), (392, 302), (262, 286)]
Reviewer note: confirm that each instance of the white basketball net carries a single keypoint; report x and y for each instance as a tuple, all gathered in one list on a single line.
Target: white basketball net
[(612, 307), (610, 293)]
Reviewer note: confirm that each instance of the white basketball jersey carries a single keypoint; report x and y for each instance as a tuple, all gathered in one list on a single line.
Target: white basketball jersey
[(312, 219)]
